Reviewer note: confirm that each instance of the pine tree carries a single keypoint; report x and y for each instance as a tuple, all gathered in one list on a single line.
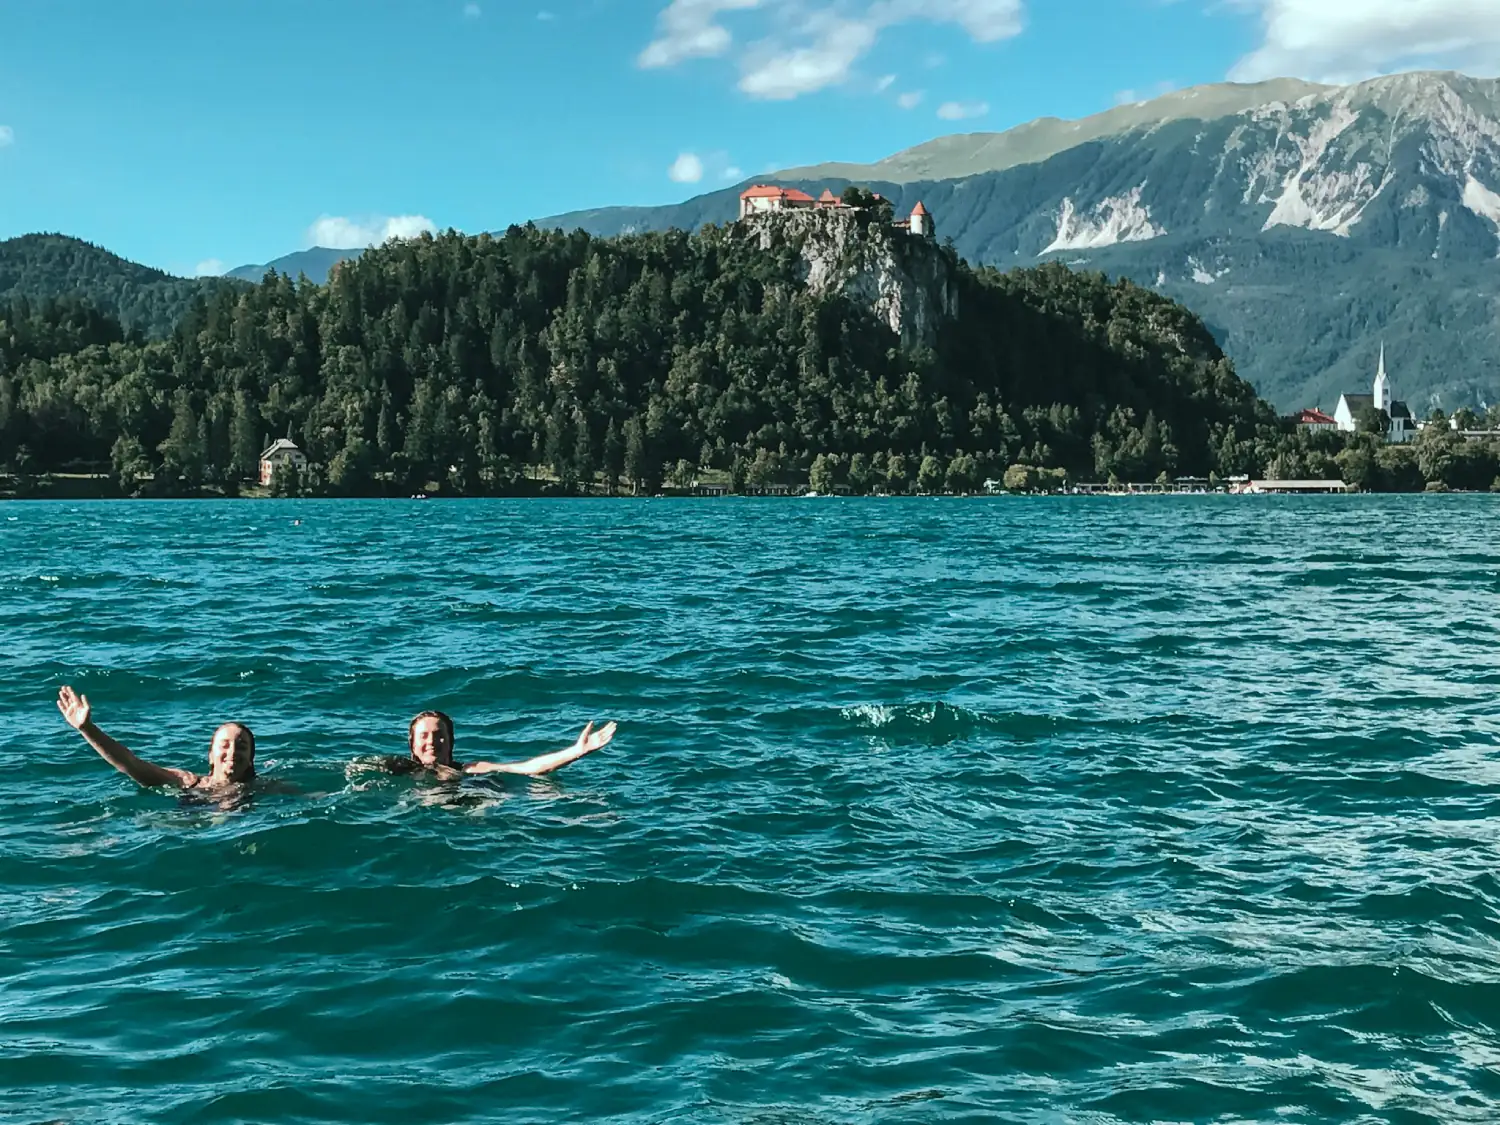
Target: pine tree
[(244, 453), (636, 458), (583, 451), (614, 457), (182, 451)]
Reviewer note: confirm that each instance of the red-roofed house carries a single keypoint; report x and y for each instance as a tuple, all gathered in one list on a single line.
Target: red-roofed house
[(1315, 420), (767, 197)]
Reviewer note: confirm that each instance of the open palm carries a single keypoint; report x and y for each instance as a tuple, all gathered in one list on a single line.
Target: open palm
[(74, 707), (591, 739)]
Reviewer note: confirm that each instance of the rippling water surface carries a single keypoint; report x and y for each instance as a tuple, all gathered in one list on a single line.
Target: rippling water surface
[(1164, 809)]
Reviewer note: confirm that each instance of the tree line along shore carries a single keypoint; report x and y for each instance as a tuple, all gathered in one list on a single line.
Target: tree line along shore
[(550, 363)]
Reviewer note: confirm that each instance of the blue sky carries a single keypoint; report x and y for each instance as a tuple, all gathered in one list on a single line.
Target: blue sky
[(201, 135)]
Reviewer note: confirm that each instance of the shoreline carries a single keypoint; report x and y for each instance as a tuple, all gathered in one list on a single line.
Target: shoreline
[(65, 496), (80, 487)]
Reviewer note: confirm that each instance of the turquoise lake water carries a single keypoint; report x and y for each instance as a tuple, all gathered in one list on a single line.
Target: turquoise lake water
[(1173, 809)]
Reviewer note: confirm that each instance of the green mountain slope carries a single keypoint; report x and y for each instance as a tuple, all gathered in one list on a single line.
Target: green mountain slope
[(144, 300)]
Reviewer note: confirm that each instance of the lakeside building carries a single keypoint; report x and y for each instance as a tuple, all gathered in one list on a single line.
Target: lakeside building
[(1314, 419), (1401, 428), (1487, 433), (1181, 485), (283, 451), (764, 199), (1294, 486)]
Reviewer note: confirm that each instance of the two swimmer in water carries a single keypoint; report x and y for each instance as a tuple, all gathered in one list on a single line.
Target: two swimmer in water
[(231, 756)]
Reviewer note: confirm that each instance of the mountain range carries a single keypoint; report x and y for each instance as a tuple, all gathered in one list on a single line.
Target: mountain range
[(314, 263), (1306, 224)]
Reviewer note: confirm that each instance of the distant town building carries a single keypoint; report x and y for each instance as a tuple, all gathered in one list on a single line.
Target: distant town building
[(762, 199), (1401, 428), (284, 451), (1294, 486), (1315, 420)]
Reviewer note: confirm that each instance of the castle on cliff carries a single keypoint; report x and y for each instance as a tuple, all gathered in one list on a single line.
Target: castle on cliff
[(764, 199)]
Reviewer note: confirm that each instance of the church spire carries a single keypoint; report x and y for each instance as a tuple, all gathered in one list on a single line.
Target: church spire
[(1382, 396)]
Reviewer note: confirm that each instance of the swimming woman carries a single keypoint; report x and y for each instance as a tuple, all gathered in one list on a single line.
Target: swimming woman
[(429, 738), (231, 757)]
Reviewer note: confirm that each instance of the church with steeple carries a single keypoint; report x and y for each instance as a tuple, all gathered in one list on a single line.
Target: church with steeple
[(1401, 426)]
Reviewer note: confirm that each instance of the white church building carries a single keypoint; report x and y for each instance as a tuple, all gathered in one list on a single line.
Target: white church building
[(1402, 427)]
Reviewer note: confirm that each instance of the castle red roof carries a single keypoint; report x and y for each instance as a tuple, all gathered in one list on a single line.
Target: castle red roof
[(769, 191), (919, 209), (828, 197)]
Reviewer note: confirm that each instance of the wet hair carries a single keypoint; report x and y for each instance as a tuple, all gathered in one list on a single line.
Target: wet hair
[(445, 724)]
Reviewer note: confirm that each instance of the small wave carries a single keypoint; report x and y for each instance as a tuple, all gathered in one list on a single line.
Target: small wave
[(940, 721)]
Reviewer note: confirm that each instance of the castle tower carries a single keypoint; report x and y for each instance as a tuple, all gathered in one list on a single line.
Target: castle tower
[(921, 221), (1382, 385)]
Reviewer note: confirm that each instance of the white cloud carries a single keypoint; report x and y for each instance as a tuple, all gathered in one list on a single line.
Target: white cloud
[(884, 83), (962, 111), (694, 168), (1347, 40), (813, 44), (689, 29), (7, 136), (987, 21), (774, 71), (473, 11), (545, 15), (339, 233), (911, 99), (209, 267), (686, 169)]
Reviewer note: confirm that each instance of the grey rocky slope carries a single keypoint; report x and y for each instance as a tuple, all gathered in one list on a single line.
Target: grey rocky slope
[(1303, 223)]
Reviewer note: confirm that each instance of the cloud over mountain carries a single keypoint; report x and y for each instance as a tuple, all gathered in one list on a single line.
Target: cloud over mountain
[(340, 233), (1347, 40), (800, 47), (962, 111)]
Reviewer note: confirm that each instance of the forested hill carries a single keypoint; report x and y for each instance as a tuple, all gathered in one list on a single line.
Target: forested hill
[(143, 300), (477, 363)]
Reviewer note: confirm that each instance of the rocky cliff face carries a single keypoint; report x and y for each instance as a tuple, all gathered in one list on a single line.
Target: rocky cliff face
[(908, 282)]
